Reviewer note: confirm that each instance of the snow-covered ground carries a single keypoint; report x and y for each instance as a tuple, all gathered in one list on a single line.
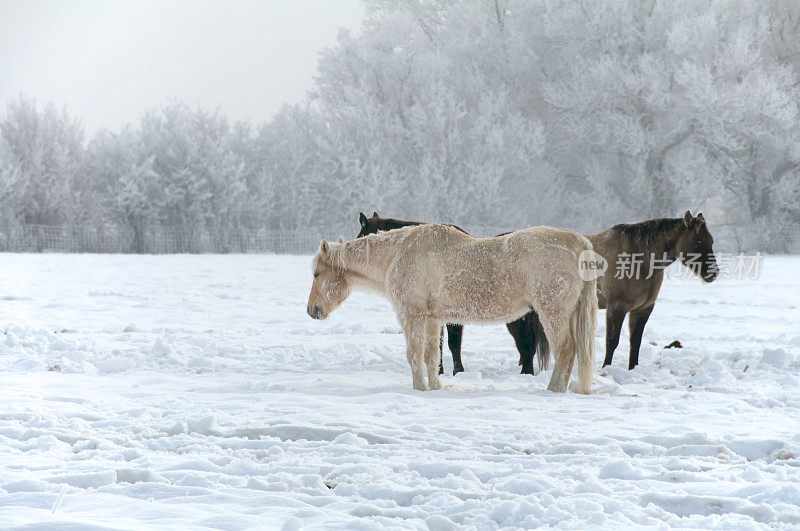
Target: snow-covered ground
[(194, 391)]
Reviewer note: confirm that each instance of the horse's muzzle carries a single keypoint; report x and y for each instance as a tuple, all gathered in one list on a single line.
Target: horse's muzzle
[(711, 273), (314, 312)]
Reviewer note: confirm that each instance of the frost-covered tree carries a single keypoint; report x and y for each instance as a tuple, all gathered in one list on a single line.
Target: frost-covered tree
[(678, 104), (42, 156), (576, 113), (123, 174)]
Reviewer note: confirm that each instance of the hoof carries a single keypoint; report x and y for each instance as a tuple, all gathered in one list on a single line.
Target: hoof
[(576, 388), (419, 384)]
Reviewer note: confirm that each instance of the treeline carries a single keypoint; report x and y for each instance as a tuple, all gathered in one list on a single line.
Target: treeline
[(501, 113)]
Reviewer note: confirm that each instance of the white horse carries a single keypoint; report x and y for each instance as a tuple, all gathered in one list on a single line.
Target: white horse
[(435, 274)]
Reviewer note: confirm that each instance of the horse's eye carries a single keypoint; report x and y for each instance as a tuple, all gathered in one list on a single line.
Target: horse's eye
[(698, 243), (316, 275)]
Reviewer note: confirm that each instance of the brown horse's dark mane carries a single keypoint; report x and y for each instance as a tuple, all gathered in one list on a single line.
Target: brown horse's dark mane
[(645, 233), (399, 222), (391, 223)]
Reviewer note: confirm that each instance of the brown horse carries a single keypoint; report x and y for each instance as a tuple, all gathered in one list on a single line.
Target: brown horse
[(528, 334), (649, 246), (644, 250)]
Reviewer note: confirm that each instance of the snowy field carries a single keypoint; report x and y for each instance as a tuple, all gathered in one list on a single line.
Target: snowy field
[(195, 392)]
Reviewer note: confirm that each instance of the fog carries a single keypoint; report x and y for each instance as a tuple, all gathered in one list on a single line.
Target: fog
[(110, 61)]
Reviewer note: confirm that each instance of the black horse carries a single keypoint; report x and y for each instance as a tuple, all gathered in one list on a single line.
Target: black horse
[(527, 331)]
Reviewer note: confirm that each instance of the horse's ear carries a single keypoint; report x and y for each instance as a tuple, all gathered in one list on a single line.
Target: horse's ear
[(687, 219), (362, 219), (324, 247), (700, 217), (375, 214)]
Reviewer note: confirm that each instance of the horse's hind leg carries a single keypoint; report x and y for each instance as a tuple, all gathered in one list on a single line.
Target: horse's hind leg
[(556, 329), (565, 357), (454, 335), (433, 357), (416, 336), (441, 354), (522, 332)]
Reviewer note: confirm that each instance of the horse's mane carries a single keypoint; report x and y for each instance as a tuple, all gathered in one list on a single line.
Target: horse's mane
[(335, 257), (316, 260), (336, 250), (645, 232), (394, 224), (397, 223)]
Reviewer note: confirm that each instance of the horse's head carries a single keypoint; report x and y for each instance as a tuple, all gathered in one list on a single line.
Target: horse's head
[(330, 287), (371, 225), (694, 246)]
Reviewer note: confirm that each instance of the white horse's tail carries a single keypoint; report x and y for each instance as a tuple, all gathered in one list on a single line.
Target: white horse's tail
[(583, 322)]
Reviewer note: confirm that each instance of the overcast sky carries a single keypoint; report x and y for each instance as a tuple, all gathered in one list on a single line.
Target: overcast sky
[(108, 61)]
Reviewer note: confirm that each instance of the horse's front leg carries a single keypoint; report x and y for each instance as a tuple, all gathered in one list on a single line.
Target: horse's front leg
[(614, 318), (416, 335), (433, 354), (636, 322)]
